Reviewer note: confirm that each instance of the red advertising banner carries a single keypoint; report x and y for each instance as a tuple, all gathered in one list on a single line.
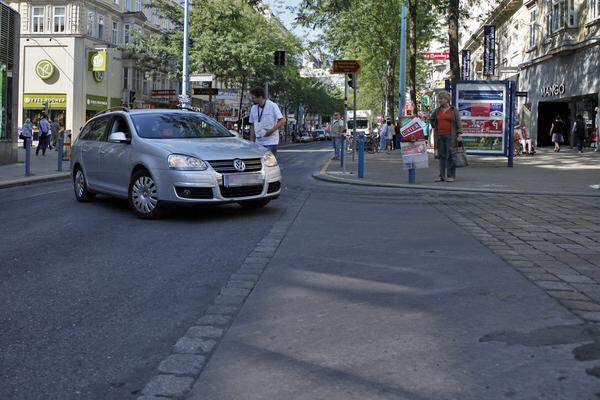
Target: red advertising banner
[(164, 93), (437, 56), (413, 130)]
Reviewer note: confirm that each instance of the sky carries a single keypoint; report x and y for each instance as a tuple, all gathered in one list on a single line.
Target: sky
[(285, 11)]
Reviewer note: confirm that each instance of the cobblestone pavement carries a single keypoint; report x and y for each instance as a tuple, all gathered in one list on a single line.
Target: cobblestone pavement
[(553, 241)]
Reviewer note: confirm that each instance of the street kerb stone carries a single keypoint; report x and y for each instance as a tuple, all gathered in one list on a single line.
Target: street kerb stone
[(229, 300), (182, 364), (168, 385), (241, 284), (187, 345), (220, 309), (234, 292), (591, 316), (244, 277), (214, 319), (553, 285), (572, 278), (206, 331), (581, 305)]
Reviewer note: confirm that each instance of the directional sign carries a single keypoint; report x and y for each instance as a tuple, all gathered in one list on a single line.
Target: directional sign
[(345, 67)]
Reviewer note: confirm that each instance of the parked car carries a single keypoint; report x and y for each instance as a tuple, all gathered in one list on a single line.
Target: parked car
[(155, 157), (305, 137), (319, 134)]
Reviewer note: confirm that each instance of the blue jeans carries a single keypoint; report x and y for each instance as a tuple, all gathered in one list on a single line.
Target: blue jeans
[(272, 148), (337, 142), (382, 142)]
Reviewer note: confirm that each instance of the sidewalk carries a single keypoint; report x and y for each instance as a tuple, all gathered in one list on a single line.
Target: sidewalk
[(43, 168), (547, 172)]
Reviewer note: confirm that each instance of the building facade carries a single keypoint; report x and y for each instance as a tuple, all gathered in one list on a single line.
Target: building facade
[(59, 41), (9, 77)]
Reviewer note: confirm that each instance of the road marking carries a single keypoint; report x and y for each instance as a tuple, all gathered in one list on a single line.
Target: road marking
[(305, 151)]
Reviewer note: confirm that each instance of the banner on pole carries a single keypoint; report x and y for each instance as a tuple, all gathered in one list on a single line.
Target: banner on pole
[(414, 155), (465, 69), (413, 130), (489, 50)]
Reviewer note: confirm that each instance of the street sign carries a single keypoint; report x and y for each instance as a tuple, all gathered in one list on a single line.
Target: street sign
[(436, 55), (206, 91), (345, 67)]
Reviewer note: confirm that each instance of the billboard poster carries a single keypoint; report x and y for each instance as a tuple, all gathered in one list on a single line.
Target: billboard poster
[(414, 154), (413, 130), (465, 68), (489, 50), (485, 118)]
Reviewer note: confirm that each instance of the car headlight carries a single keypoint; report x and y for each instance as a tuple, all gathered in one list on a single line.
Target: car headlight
[(186, 163), (270, 159)]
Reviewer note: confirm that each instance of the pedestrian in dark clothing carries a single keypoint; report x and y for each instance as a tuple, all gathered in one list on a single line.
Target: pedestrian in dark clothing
[(557, 130), (579, 133), (43, 135), (447, 125), (55, 131)]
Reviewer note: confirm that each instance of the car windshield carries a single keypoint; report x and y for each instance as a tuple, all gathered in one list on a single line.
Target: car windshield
[(172, 125)]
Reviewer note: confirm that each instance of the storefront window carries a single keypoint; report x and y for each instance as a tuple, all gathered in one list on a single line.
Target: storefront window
[(37, 20), (59, 19)]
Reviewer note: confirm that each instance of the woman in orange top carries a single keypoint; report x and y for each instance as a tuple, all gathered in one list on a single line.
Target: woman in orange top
[(445, 121)]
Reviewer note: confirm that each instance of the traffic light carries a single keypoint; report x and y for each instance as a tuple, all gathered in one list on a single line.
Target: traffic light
[(280, 58), (131, 97), (351, 82)]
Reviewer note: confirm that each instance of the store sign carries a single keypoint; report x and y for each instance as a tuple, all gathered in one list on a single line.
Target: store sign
[(39, 100), (436, 55), (44, 69), (98, 76), (489, 50), (164, 93), (97, 60), (553, 90), (96, 103), (465, 68), (484, 111)]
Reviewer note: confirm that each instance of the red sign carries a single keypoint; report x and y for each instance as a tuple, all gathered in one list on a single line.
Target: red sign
[(483, 127), (437, 56), (413, 131), (164, 93)]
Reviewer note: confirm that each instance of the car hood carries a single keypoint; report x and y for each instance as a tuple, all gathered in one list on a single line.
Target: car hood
[(211, 149)]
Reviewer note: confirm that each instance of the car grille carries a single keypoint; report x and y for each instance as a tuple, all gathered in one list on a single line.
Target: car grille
[(240, 191), (226, 166), (274, 187), (194, 192)]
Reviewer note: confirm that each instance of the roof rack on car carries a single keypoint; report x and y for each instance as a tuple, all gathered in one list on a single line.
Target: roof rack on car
[(117, 108)]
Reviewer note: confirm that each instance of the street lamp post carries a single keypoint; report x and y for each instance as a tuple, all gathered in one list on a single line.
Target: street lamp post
[(402, 74), (184, 99)]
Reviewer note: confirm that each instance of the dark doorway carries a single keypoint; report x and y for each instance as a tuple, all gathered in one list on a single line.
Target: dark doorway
[(547, 111)]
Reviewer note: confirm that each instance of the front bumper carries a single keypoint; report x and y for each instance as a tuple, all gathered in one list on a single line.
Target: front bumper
[(207, 187)]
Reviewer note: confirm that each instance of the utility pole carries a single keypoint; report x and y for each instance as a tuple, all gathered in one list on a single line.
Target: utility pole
[(184, 98), (402, 77)]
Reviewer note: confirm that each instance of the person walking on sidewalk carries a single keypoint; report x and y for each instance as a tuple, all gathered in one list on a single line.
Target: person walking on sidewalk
[(27, 132), (55, 131), (382, 137), (266, 119), (579, 133), (43, 134), (337, 130), (389, 136), (557, 132), (447, 126)]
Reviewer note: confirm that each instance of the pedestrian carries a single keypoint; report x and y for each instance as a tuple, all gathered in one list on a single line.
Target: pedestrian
[(447, 127), (557, 130), (389, 136), (337, 131), (55, 131), (596, 135), (382, 137), (266, 120), (43, 134), (579, 132), (27, 132), (397, 137)]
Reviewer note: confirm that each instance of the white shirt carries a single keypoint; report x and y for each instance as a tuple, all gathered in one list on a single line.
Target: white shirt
[(263, 120)]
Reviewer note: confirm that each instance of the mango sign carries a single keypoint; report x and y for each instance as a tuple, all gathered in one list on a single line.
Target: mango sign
[(414, 130)]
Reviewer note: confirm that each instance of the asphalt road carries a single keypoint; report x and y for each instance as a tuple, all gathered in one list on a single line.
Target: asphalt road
[(93, 298)]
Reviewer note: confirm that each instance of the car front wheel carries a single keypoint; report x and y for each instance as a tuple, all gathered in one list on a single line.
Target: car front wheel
[(143, 196), (82, 192)]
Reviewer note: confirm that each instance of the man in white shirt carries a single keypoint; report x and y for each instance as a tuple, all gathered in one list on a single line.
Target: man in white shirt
[(266, 120)]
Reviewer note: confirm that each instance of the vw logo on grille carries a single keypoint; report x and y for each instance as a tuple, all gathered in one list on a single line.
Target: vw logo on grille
[(239, 165)]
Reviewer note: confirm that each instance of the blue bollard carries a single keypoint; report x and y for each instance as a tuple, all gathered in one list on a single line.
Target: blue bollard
[(59, 143), (412, 175), (27, 156), (361, 155), (343, 152)]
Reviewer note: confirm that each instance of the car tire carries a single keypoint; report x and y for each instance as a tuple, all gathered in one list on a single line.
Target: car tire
[(254, 204), (83, 194), (143, 196)]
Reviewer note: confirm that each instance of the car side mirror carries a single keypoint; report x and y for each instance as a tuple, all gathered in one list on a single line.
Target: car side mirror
[(118, 137)]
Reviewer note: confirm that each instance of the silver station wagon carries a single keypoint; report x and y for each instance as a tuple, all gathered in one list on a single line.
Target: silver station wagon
[(155, 157)]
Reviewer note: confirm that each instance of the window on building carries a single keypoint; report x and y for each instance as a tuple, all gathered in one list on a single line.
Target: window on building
[(60, 15), (548, 17), (128, 5), (138, 5), (125, 78), (126, 33), (90, 23), (37, 19), (533, 27), (115, 33), (559, 14), (593, 10), (572, 21), (100, 27)]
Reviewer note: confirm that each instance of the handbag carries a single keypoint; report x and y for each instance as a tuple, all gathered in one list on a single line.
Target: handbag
[(459, 156)]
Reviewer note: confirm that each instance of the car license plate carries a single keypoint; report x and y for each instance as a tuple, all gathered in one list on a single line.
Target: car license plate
[(234, 180)]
